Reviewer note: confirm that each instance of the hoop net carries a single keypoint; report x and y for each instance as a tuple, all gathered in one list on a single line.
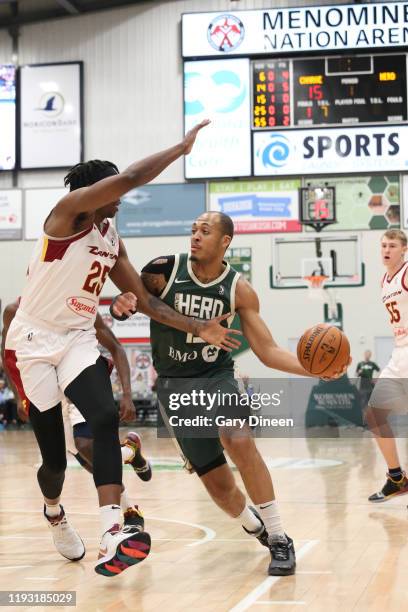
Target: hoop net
[(316, 284)]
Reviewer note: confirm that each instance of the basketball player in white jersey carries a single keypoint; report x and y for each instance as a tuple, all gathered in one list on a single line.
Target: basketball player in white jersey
[(51, 348), (390, 394), (78, 435)]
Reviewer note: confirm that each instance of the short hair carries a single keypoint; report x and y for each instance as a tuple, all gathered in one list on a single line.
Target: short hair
[(396, 234), (88, 173), (226, 223)]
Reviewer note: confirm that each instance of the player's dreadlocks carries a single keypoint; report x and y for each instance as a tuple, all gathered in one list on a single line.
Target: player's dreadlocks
[(88, 173)]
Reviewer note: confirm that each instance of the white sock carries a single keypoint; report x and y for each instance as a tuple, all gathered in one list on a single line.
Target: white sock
[(110, 515), (248, 520), (52, 510), (125, 502), (127, 453), (269, 513)]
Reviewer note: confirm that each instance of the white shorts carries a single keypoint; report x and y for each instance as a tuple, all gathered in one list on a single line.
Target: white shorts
[(43, 361), (72, 417), (391, 389)]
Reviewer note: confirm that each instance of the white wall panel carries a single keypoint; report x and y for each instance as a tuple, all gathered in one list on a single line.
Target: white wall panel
[(133, 107)]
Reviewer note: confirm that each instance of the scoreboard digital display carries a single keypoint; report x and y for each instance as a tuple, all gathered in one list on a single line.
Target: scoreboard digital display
[(346, 90), (271, 94)]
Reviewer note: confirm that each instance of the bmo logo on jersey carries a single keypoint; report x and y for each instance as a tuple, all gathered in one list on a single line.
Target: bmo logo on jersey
[(200, 306), (182, 357)]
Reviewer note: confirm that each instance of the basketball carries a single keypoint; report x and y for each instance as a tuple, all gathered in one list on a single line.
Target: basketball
[(323, 350)]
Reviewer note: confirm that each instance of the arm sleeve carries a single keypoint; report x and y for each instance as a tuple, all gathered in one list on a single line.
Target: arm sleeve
[(160, 265)]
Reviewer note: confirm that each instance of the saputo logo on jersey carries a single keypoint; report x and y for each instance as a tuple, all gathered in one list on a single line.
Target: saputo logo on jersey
[(329, 150), (82, 306)]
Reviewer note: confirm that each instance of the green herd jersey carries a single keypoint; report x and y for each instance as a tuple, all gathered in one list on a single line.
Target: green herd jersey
[(177, 353)]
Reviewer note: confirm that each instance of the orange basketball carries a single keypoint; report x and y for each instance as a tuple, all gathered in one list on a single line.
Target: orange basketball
[(323, 350)]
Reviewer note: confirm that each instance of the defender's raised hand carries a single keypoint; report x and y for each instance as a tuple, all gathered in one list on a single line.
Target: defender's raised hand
[(189, 138)]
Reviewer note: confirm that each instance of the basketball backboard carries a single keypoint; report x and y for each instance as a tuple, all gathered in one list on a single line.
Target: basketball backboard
[(336, 256)]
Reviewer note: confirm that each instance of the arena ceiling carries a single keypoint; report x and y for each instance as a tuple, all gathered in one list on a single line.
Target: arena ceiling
[(22, 12)]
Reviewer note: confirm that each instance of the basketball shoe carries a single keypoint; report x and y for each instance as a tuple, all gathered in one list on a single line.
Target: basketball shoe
[(261, 535), (66, 540), (390, 489), (139, 463), (122, 548), (283, 558), (133, 516)]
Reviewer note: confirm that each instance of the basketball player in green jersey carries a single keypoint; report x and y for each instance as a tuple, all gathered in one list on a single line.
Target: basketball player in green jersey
[(201, 284)]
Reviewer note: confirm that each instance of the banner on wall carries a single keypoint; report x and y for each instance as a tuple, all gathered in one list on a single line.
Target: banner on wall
[(51, 115), (134, 334), (220, 90), (331, 150), (258, 206), (11, 214), (364, 202), (134, 329), (38, 203), (7, 116), (289, 30), (404, 198), (161, 210), (241, 259)]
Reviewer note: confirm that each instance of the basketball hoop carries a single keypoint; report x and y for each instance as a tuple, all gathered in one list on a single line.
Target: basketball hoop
[(316, 284)]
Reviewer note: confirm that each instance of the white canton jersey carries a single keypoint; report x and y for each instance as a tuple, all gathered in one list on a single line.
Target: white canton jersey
[(395, 299), (66, 276)]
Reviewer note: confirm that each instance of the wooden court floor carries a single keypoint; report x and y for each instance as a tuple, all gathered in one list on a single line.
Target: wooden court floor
[(351, 555)]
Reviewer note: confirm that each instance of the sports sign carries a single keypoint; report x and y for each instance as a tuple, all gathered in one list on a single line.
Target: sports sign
[(331, 150)]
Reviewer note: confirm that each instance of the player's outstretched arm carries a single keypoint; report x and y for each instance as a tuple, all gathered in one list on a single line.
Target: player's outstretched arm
[(258, 335), (108, 340), (108, 190), (128, 280)]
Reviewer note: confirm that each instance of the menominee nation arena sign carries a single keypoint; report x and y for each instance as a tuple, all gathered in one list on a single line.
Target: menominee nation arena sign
[(287, 30)]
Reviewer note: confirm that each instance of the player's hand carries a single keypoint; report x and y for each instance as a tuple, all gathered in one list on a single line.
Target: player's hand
[(21, 412), (124, 304), (212, 332), (189, 138), (127, 411), (338, 374)]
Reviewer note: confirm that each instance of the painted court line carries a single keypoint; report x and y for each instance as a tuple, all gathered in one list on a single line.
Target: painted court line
[(266, 584), (10, 567), (279, 603), (209, 533)]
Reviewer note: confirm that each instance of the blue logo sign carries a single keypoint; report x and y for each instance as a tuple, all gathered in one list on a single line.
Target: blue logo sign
[(231, 98), (51, 104), (225, 33), (276, 152)]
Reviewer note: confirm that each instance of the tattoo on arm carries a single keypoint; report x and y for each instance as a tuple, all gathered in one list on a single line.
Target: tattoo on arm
[(154, 283), (168, 316)]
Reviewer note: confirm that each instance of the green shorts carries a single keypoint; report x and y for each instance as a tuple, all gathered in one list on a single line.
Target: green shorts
[(199, 450)]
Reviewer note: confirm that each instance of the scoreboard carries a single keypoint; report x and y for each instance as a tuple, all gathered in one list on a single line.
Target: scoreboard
[(346, 90), (282, 116)]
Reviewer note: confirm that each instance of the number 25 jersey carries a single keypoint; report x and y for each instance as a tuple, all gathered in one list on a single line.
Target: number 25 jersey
[(66, 276)]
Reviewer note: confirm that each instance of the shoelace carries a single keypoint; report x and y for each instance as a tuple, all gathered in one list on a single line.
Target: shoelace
[(280, 551)]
